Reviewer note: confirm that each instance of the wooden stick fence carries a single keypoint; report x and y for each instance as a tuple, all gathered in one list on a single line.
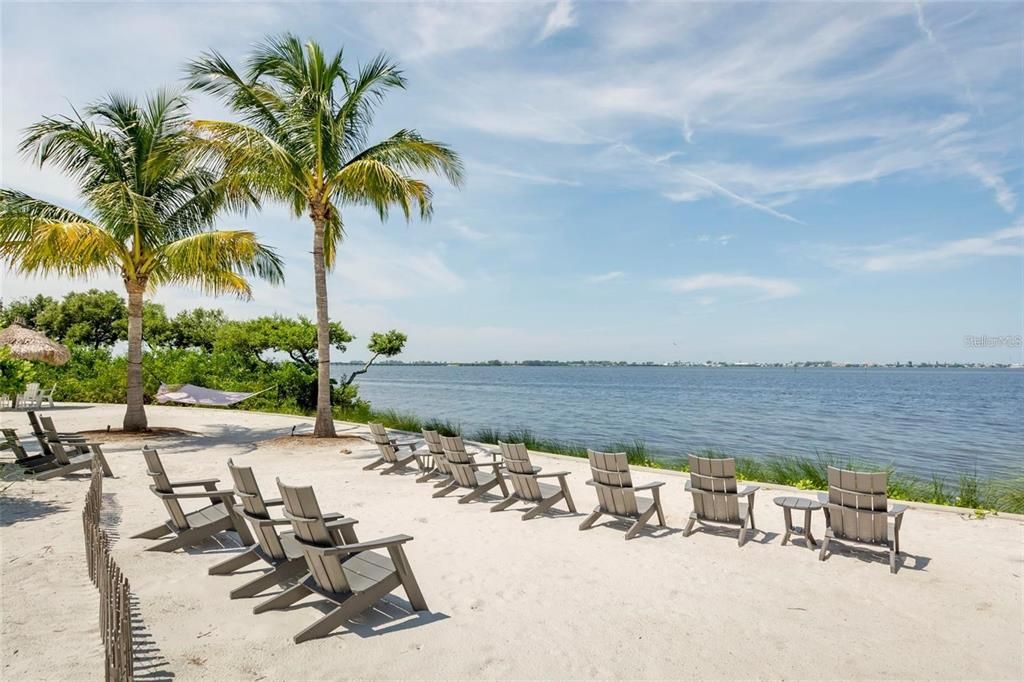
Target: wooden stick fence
[(115, 593)]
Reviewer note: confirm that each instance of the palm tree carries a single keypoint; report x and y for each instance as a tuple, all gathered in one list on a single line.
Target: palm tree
[(302, 140), (153, 201)]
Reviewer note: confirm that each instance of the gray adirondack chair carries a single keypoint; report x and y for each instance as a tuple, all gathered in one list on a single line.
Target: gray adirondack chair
[(526, 484), (280, 550), (350, 574), (44, 435), (616, 494), (29, 463), (716, 497), (439, 467), (388, 449), (857, 510), (465, 472), (192, 528), (70, 460)]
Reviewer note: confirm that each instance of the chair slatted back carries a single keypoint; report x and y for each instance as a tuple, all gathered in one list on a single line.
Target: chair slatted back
[(247, 490), (610, 473), (387, 452), (47, 423), (37, 431), (857, 505), (161, 484), (521, 470), (715, 477), (60, 455), (379, 434), (433, 440), (302, 509), (459, 461), (12, 441), (33, 419)]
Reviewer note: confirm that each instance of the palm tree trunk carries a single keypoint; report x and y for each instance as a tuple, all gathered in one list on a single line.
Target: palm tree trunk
[(324, 426), (135, 414)]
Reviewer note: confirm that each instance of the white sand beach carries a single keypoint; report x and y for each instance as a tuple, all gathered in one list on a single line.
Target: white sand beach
[(508, 599)]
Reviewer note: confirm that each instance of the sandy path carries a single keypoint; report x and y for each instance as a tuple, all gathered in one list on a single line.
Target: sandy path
[(509, 599)]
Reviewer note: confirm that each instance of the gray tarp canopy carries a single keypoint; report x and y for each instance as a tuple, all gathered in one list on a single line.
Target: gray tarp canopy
[(190, 394)]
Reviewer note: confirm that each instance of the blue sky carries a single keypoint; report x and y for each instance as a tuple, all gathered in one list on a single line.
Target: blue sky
[(646, 181)]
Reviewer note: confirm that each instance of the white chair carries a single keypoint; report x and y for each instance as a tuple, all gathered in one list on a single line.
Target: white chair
[(46, 396), (30, 398)]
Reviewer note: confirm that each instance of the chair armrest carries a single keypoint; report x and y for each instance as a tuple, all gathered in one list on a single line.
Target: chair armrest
[(649, 486), (339, 522), (748, 490), (897, 510), (226, 494), (192, 484), (823, 498), (272, 502), (554, 473), (362, 546), (477, 465)]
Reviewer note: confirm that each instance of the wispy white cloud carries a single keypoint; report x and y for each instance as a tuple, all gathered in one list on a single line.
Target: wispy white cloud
[(889, 257), (606, 277), (561, 17), (768, 287), (525, 176), (465, 231)]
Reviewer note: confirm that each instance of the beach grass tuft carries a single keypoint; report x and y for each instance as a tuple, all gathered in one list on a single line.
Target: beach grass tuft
[(800, 471)]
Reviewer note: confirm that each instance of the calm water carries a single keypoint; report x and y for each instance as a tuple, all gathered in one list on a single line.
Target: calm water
[(922, 421)]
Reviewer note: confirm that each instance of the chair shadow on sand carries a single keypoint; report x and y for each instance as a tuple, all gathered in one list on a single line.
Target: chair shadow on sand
[(869, 555), (390, 614), (755, 535)]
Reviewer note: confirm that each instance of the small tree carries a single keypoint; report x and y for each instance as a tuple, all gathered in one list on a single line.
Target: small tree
[(14, 374), (387, 344)]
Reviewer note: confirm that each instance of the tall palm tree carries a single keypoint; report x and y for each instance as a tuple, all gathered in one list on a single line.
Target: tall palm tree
[(303, 140), (153, 199)]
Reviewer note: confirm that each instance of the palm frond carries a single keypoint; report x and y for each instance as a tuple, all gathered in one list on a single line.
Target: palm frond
[(217, 262), (38, 237), (374, 183)]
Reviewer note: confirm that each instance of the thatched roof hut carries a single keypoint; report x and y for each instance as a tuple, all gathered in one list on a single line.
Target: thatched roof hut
[(27, 344)]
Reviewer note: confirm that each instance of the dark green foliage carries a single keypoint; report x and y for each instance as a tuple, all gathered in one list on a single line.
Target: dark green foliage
[(24, 311), (90, 318)]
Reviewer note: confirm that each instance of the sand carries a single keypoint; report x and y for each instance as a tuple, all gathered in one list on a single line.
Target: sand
[(508, 598)]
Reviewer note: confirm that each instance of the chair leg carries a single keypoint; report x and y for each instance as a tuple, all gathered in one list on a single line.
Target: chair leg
[(426, 477), (276, 576), (97, 454), (187, 538), (54, 473), (543, 506), (824, 544), (501, 483), (286, 598), (892, 558), (589, 521), (405, 574), (743, 531), (504, 504), (236, 562), (352, 607), (568, 497), (640, 522), (478, 492), (689, 525), (661, 513), (153, 533), (374, 464), (445, 490)]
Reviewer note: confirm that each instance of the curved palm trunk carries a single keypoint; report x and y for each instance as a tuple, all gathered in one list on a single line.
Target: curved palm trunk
[(324, 426), (135, 414)]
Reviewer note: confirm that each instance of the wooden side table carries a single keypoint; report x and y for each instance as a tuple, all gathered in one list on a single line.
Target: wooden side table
[(788, 504)]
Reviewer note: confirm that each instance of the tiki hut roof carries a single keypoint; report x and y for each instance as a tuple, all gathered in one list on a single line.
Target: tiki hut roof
[(27, 344)]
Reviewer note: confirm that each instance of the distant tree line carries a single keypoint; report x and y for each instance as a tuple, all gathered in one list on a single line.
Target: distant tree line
[(199, 346)]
